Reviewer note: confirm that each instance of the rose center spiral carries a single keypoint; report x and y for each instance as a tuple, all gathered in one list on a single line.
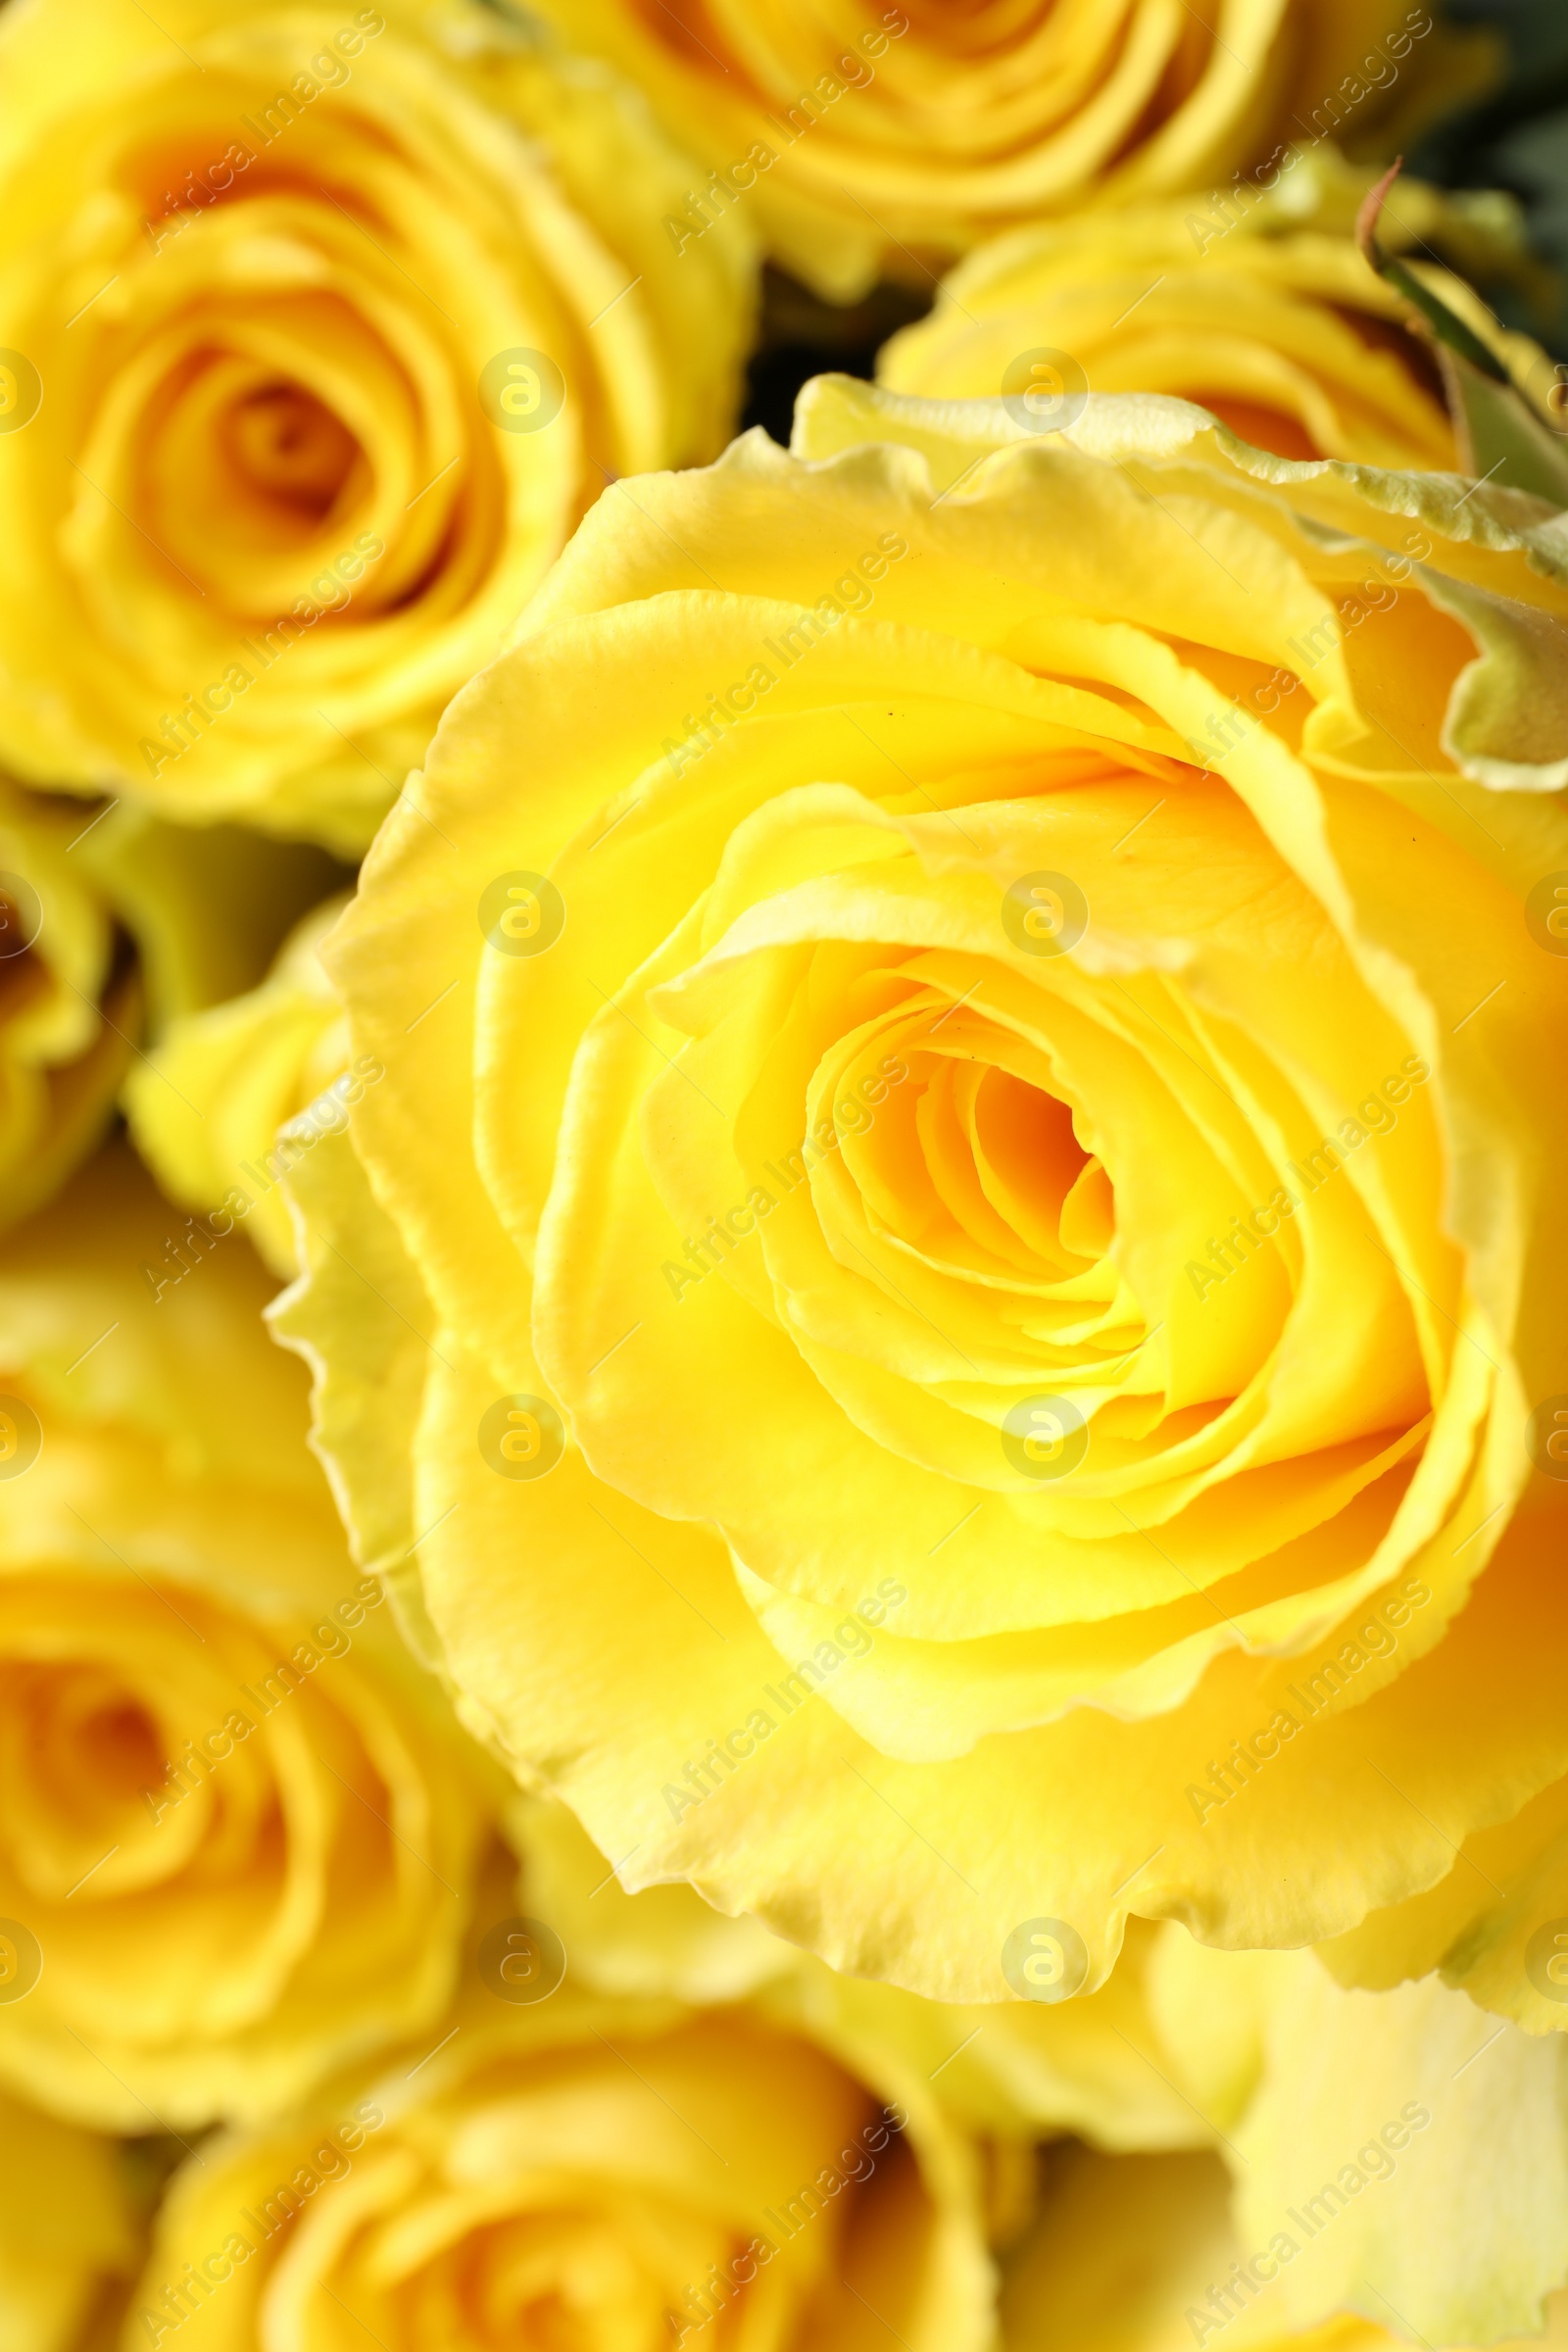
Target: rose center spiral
[(290, 447)]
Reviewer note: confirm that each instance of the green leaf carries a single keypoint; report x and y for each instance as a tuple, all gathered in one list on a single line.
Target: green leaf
[(1502, 439)]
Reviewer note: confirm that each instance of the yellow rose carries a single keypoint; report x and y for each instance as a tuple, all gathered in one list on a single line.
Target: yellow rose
[(207, 1106), (108, 925), (871, 140), (319, 328), (1270, 318), (960, 1249), (65, 2230), (580, 2173), (238, 1837)]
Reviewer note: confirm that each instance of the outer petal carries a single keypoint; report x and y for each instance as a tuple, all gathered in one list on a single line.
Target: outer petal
[(1071, 2281), (1416, 2150), (68, 2229), (1101, 2066), (206, 1109)]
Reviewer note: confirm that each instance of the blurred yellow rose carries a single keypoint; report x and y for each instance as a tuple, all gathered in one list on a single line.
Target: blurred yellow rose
[(110, 926), (66, 2227), (206, 1105), (584, 2174), (1403, 2157), (1139, 2254), (239, 1831), (319, 328), (1271, 319), (870, 140), (1390, 2168), (982, 1332)]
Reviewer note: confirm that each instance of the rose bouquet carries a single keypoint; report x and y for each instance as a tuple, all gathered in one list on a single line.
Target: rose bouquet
[(783, 1320)]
